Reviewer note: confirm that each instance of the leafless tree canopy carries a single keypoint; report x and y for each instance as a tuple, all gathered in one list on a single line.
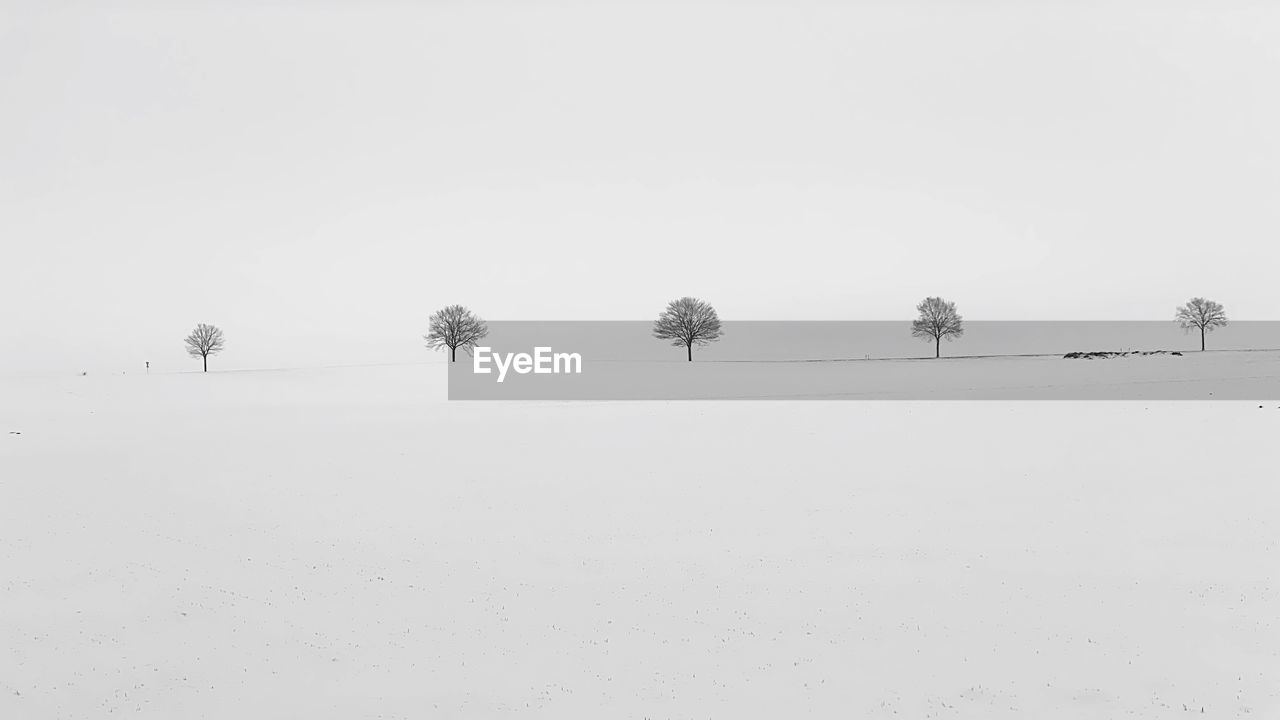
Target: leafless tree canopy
[(938, 319), (455, 327), (1203, 315), (686, 322), (204, 341)]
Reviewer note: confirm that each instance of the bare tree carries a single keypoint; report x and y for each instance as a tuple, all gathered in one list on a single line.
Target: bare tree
[(938, 319), (204, 341), (455, 327), (1200, 314), (686, 322)]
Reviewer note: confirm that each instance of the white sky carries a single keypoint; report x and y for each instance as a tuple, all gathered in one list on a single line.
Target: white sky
[(316, 178)]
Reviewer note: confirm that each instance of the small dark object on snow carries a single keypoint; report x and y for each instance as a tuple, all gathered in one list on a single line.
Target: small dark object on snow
[(1115, 353)]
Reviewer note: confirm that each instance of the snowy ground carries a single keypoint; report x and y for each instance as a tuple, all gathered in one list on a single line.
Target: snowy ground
[(1222, 375), (343, 543)]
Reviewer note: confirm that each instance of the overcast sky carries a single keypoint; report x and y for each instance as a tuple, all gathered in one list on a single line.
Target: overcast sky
[(317, 177)]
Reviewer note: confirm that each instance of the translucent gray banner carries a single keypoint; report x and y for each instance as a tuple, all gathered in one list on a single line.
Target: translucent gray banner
[(872, 360)]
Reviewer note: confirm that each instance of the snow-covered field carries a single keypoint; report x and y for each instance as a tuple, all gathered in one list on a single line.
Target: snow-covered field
[(1222, 375), (343, 543)]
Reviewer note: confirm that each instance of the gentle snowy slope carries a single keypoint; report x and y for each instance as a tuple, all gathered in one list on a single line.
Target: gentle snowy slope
[(344, 544)]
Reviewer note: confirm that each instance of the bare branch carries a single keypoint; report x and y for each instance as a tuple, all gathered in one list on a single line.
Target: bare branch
[(1201, 314), (455, 327), (938, 320), (687, 322), (204, 341)]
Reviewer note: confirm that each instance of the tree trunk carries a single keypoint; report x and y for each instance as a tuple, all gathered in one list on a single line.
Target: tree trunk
[(937, 346), (453, 354), (206, 362), (1201, 339), (689, 346)]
